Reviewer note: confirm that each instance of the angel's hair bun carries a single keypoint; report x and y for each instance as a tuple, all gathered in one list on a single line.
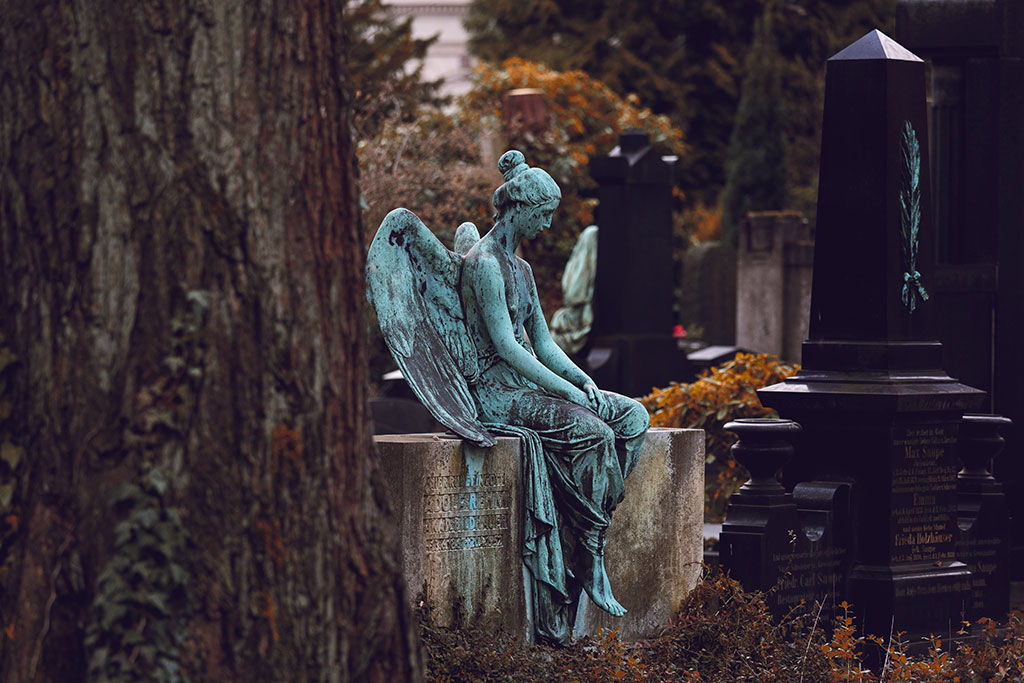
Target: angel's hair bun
[(512, 163), (523, 185)]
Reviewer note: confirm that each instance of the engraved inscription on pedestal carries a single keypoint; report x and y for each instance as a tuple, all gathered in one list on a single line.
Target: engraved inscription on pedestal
[(809, 576), (923, 521), (466, 512), (935, 589), (982, 556)]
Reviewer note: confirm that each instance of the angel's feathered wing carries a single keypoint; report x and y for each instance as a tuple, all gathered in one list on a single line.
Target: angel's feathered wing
[(412, 282)]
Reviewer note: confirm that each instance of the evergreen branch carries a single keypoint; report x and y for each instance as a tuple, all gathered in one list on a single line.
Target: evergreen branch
[(910, 216)]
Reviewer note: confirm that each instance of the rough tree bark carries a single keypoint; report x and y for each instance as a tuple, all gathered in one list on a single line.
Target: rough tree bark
[(186, 486)]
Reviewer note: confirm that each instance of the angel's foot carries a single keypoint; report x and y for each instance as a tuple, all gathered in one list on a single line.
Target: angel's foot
[(595, 582)]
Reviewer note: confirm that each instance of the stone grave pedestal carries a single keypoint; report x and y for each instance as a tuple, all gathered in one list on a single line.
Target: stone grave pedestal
[(983, 516), (793, 546), (460, 517), (773, 283)]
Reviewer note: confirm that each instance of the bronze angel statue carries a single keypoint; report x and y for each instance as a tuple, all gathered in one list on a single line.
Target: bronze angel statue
[(468, 333)]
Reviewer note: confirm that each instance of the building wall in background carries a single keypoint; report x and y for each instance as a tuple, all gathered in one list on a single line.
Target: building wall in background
[(449, 57)]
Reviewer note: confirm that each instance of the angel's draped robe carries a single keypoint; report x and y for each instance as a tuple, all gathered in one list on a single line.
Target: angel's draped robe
[(575, 464)]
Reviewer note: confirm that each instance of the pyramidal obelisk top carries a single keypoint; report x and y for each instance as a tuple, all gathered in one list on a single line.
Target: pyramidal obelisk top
[(875, 45)]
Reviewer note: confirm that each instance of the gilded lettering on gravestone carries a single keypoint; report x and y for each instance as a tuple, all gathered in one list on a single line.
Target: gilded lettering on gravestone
[(809, 576), (923, 493)]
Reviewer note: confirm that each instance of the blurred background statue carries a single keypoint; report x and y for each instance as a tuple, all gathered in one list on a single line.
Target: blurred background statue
[(571, 323)]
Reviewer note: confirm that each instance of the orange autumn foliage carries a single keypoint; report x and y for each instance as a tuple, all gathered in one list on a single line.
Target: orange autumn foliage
[(719, 395), (703, 223), (589, 113)]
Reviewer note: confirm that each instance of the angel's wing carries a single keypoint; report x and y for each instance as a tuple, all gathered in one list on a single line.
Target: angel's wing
[(412, 282)]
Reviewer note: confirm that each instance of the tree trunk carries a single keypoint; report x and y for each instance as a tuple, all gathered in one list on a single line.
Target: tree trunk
[(186, 483)]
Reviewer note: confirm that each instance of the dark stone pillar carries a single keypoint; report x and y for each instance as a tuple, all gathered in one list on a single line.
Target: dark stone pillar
[(762, 518), (633, 348), (793, 546)]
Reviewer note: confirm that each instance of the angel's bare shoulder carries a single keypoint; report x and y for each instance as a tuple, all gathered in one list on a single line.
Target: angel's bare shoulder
[(480, 259)]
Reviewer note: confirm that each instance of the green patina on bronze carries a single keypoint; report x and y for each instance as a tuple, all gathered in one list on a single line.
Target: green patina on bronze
[(910, 216), (468, 333)]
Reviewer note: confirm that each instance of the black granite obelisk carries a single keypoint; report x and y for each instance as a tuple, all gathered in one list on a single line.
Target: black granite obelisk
[(876, 407)]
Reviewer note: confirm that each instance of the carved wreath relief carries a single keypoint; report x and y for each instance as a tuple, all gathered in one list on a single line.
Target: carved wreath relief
[(910, 216)]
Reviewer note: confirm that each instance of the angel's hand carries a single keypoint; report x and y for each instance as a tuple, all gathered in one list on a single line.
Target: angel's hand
[(578, 397), (596, 399)]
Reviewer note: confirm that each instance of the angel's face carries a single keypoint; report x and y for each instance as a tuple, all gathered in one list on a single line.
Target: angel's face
[(535, 219)]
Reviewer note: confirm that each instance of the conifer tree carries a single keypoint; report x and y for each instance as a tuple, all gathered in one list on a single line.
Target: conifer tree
[(386, 67), (756, 167)]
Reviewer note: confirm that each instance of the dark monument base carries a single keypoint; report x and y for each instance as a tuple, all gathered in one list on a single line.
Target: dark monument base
[(754, 533), (912, 599), (984, 525), (881, 416), (633, 364), (776, 548)]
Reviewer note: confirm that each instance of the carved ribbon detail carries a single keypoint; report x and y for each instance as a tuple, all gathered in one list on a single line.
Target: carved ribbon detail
[(910, 216)]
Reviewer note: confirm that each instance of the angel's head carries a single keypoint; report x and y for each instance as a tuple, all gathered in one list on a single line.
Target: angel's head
[(529, 192)]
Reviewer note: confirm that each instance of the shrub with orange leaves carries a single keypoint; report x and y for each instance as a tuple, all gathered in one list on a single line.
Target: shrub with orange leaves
[(845, 650), (703, 223), (429, 164), (589, 115), (719, 395)]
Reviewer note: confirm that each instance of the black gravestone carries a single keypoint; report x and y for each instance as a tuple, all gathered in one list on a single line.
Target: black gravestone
[(793, 546), (633, 348), (761, 517), (401, 416), (975, 52), (875, 405)]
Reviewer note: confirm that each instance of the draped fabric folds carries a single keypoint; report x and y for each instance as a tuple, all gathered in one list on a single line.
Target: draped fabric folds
[(542, 545), (574, 465)]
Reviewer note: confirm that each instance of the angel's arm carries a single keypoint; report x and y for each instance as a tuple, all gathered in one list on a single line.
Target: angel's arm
[(551, 354), (488, 288)]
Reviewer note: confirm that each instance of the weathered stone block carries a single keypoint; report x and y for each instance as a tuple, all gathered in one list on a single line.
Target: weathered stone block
[(460, 511), (460, 516), (656, 540), (773, 283)]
